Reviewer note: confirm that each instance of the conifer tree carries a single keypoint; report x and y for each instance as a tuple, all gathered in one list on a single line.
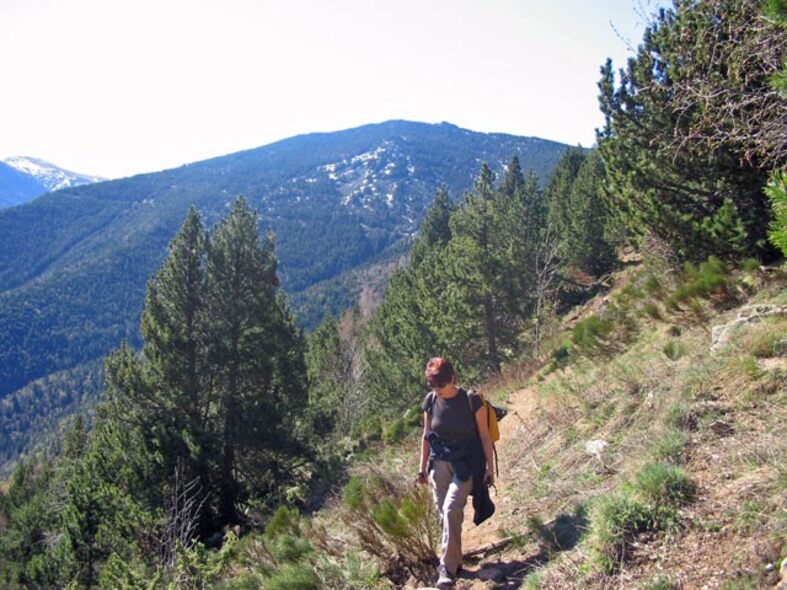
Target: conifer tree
[(558, 192), (434, 231), (479, 281), (586, 243), (257, 358), (693, 127), (327, 369), (513, 181), (401, 331)]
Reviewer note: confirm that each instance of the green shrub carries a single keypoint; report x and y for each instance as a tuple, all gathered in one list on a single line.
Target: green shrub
[(680, 416), (675, 331), (630, 293), (669, 446), (615, 522), (703, 282), (751, 515), (394, 432), (390, 517), (653, 286), (661, 583), (533, 580), (750, 265), (289, 548), (590, 332), (284, 521), (777, 195), (652, 310), (770, 342), (561, 354), (298, 576), (664, 483), (674, 349), (414, 417)]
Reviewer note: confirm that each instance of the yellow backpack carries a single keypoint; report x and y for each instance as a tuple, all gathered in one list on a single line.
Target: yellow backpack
[(493, 416)]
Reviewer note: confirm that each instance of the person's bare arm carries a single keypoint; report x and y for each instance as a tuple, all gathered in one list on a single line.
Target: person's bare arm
[(486, 441), (424, 460)]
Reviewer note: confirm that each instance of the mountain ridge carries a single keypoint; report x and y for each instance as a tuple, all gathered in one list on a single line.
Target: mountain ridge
[(74, 263), (23, 178)]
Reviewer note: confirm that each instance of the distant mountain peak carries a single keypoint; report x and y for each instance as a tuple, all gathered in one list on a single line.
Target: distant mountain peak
[(50, 176)]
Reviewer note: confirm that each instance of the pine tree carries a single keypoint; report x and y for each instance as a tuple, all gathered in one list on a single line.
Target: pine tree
[(558, 192), (434, 231), (327, 371), (257, 358), (513, 181), (693, 128), (586, 245), (479, 281)]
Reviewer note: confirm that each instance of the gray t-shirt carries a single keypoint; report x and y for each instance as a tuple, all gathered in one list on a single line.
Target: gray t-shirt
[(452, 419)]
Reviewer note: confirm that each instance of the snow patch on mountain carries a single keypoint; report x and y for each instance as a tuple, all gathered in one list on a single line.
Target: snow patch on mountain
[(50, 176)]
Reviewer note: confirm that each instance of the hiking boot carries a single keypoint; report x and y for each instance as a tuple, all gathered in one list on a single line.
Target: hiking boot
[(446, 579)]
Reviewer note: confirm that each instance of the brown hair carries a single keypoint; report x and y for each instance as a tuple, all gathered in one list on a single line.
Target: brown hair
[(439, 372)]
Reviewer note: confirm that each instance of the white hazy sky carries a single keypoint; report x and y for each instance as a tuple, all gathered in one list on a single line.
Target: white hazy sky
[(117, 87)]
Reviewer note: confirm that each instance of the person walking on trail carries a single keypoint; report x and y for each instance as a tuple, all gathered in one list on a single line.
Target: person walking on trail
[(456, 459)]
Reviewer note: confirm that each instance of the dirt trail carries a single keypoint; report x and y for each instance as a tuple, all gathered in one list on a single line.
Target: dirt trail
[(522, 406)]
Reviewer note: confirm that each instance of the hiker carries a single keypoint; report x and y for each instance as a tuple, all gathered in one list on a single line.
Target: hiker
[(456, 459)]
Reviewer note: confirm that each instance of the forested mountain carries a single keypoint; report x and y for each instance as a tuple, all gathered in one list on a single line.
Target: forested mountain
[(22, 179), (74, 263), (634, 448)]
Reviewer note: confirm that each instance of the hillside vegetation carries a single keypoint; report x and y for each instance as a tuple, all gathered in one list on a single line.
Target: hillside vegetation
[(74, 263), (630, 310), (647, 454)]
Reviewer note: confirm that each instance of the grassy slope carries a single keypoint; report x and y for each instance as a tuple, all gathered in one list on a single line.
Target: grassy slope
[(654, 393), (665, 398)]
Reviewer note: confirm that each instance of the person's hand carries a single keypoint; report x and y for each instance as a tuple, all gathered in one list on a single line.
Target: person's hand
[(489, 478), (420, 478)]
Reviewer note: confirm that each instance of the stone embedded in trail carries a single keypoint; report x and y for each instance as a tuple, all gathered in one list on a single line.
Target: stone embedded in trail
[(595, 448)]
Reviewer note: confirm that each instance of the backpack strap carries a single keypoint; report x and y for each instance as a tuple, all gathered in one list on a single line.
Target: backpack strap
[(489, 408), (470, 394), (430, 403)]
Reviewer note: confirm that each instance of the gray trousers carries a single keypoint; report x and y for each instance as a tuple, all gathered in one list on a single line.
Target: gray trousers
[(450, 496)]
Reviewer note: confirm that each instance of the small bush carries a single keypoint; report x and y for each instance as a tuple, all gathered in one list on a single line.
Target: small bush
[(652, 310), (561, 354), (661, 583), (750, 265), (707, 281), (777, 195), (413, 417), (630, 293), (674, 331), (674, 349), (750, 516), (615, 522), (669, 446), (653, 286), (770, 342), (680, 416), (284, 521), (300, 576), (590, 332), (394, 432), (533, 580), (391, 518), (664, 483)]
